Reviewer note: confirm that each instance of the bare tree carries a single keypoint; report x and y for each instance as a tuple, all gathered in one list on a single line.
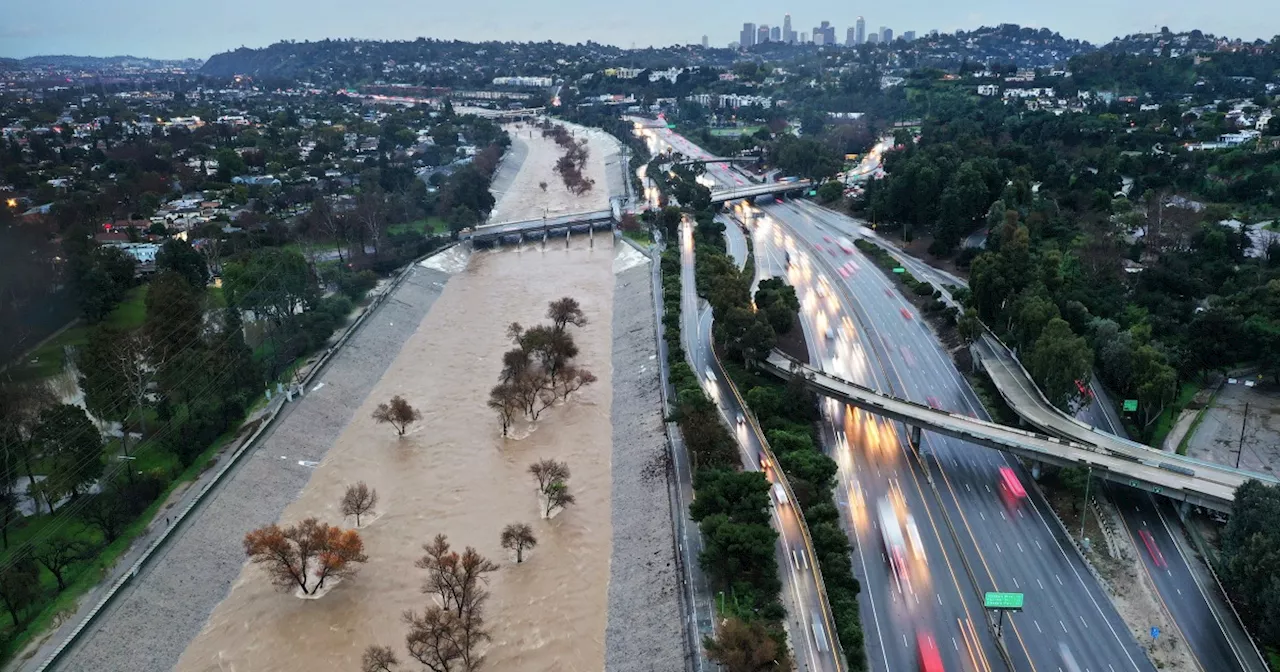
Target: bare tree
[(58, 554), (435, 639), (573, 379), (398, 412), (378, 659), (330, 223), (557, 497), (518, 537), (456, 625), (505, 399), (370, 211), (359, 500), (566, 311), (294, 555), (548, 472)]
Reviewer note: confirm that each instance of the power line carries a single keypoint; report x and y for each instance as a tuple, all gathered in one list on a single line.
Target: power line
[(63, 515)]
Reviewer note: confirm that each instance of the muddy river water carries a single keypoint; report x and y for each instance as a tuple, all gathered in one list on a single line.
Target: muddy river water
[(454, 474)]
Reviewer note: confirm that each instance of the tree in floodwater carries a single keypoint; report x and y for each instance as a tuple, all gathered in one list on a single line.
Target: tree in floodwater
[(518, 537), (359, 500), (398, 412), (305, 555)]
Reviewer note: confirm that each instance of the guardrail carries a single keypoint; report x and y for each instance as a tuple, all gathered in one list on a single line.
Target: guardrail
[(231, 463), (693, 651)]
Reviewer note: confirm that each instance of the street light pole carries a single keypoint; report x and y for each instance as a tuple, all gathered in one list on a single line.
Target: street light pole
[(1084, 508)]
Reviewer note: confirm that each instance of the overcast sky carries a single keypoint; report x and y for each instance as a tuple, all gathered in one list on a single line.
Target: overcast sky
[(183, 28)]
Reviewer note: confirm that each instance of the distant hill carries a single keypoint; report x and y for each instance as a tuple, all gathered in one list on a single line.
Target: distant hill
[(64, 62), (441, 62)]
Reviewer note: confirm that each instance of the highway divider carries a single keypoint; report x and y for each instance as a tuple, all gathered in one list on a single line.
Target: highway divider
[(267, 420), (827, 616)]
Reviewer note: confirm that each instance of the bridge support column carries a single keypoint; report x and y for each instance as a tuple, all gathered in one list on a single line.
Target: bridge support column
[(1035, 470), (567, 232), (591, 237), (1184, 510), (915, 437)]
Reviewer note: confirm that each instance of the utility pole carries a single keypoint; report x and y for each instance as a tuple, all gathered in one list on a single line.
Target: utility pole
[(1084, 508), (1243, 423)]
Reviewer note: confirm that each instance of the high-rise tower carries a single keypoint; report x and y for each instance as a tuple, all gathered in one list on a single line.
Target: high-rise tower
[(862, 30)]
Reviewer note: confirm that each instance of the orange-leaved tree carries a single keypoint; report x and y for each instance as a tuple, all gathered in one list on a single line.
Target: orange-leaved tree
[(305, 555)]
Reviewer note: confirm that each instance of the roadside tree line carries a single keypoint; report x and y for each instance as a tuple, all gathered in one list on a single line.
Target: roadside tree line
[(745, 331)]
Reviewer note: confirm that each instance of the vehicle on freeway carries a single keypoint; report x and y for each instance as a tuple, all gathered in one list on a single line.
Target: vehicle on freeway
[(1069, 663), (764, 461), (1011, 489), (798, 560), (780, 494), (930, 657), (830, 334), (741, 420), (819, 632), (913, 536), (846, 245), (1156, 556), (906, 314), (933, 402), (895, 546), (787, 257)]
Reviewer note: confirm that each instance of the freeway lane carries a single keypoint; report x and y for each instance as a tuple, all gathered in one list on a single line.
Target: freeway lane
[(813, 646), (1012, 549), (1191, 597), (929, 596)]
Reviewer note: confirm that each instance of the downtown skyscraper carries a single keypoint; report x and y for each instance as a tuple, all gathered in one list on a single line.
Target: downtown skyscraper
[(788, 35), (861, 26)]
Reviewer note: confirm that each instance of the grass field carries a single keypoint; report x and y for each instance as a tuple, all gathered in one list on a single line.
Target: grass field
[(1164, 423), (50, 358), (732, 132), (83, 576), (429, 225)]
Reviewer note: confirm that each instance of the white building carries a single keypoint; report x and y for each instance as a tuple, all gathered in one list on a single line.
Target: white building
[(542, 82)]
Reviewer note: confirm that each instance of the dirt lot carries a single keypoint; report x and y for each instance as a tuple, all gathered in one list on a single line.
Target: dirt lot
[(1217, 436)]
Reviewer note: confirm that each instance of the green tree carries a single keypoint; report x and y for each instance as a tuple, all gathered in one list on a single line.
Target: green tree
[(19, 585), (969, 326), (742, 495), (746, 647), (274, 283), (72, 450), (181, 258), (175, 315), (1058, 360)]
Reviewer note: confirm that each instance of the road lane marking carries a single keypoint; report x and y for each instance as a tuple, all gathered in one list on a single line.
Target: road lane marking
[(1059, 578), (1041, 584), (1038, 629)]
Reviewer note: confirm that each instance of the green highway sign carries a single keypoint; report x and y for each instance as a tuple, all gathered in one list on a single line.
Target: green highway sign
[(1130, 405), (899, 269), (813, 192), (671, 125), (1002, 601)]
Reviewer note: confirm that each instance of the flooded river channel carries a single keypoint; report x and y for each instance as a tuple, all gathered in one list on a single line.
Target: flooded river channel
[(454, 474)]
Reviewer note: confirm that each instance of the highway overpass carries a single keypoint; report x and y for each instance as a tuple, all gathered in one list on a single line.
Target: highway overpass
[(1025, 398), (542, 227), (754, 190), (1212, 488)]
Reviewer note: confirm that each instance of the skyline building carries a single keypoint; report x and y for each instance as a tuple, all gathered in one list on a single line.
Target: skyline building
[(862, 30), (775, 34), (851, 37), (762, 33), (873, 38), (909, 36), (886, 35), (705, 42), (788, 35), (747, 37)]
